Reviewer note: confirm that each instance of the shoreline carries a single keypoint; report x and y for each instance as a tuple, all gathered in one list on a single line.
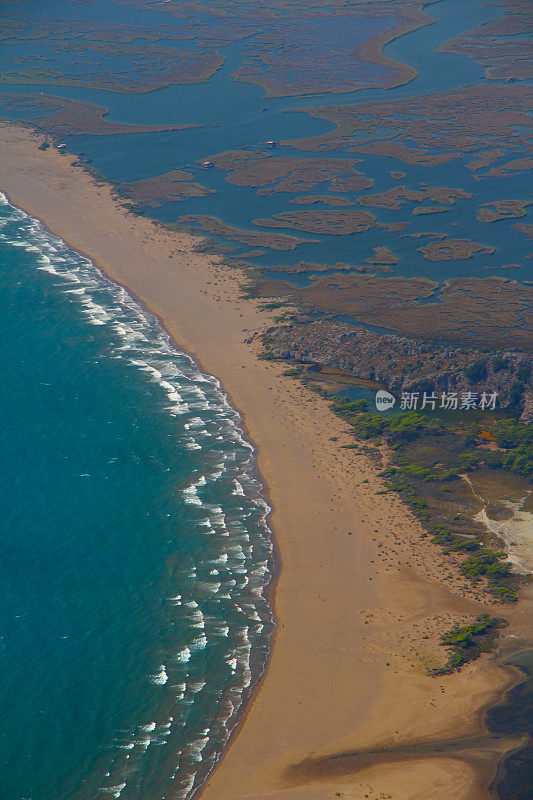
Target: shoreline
[(351, 707), (250, 471)]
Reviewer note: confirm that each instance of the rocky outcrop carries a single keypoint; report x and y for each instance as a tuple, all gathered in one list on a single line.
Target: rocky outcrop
[(406, 365)]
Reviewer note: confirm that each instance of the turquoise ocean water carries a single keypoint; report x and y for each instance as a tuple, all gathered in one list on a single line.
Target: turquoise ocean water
[(135, 550)]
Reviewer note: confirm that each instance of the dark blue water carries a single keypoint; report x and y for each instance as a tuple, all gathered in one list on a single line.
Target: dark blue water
[(515, 716), (134, 544)]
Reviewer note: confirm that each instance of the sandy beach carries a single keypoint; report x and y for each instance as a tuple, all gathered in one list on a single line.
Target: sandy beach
[(346, 708)]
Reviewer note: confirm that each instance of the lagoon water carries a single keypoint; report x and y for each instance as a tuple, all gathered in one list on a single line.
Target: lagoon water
[(232, 115), (135, 551)]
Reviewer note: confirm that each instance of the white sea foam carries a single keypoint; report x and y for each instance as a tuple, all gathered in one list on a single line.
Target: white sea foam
[(184, 655), (196, 686), (237, 553), (186, 786), (195, 422), (197, 747), (199, 410), (175, 601), (149, 727), (191, 496), (200, 643), (238, 488), (114, 791), (160, 677), (197, 620)]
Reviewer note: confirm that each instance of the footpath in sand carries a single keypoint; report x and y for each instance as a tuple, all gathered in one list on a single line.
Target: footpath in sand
[(345, 707)]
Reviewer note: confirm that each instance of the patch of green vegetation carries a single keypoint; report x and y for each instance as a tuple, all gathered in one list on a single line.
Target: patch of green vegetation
[(395, 481), (487, 563), (404, 427), (346, 408), (518, 441), (368, 426), (293, 373), (454, 542), (317, 389), (432, 490), (429, 456), (466, 643), (483, 564), (397, 429), (470, 461), (272, 305)]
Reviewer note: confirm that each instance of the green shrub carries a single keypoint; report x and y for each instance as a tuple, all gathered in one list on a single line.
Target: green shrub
[(456, 543), (348, 407), (509, 434), (478, 565), (469, 461), (493, 459), (368, 426), (504, 594), (518, 440), (406, 427), (466, 643), (420, 472), (521, 462)]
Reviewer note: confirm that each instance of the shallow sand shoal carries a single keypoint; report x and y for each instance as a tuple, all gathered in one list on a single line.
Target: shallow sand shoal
[(347, 666)]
